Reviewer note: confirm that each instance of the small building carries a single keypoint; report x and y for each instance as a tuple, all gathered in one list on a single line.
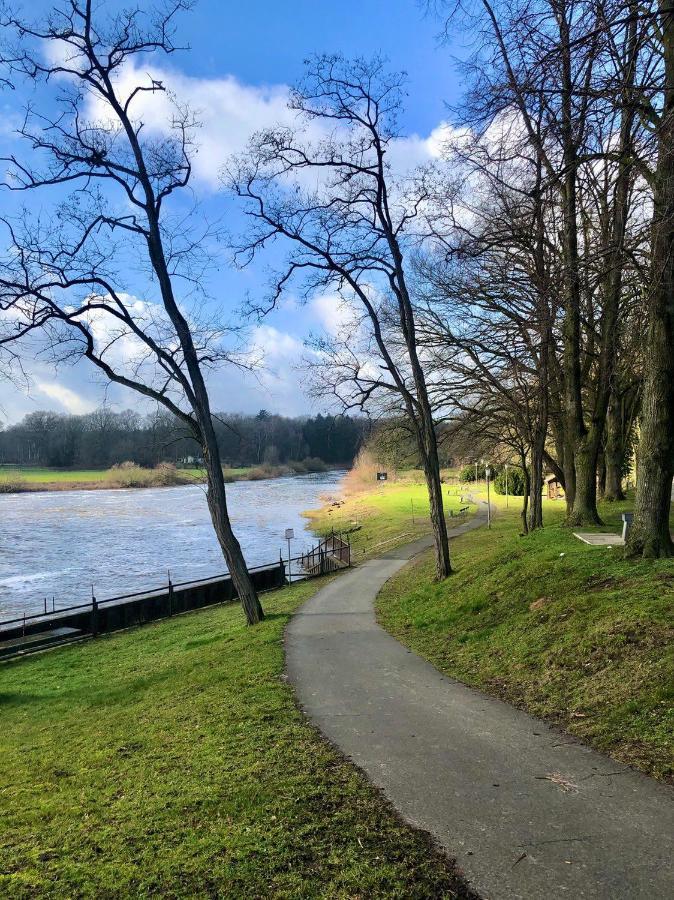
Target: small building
[(555, 490)]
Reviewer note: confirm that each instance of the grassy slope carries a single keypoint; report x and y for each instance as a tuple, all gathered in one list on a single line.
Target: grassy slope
[(383, 514), (171, 760), (595, 652)]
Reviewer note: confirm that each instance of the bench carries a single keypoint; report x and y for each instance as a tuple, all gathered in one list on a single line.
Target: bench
[(628, 519)]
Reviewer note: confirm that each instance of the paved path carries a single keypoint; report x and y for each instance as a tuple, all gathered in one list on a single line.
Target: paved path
[(527, 811)]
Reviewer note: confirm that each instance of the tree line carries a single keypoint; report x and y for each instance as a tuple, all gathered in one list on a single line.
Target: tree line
[(520, 288), (104, 438)]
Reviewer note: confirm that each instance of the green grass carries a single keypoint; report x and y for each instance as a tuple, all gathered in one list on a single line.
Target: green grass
[(386, 515), (56, 476), (30, 478), (171, 761), (584, 639)]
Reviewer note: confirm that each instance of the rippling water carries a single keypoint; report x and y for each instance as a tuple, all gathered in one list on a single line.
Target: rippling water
[(58, 544)]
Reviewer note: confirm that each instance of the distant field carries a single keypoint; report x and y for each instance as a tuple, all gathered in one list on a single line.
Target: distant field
[(45, 476), (14, 479)]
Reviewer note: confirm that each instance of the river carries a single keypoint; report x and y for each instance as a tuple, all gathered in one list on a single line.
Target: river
[(58, 544)]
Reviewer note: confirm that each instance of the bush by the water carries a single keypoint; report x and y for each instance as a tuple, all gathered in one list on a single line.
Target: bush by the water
[(515, 482), (128, 474)]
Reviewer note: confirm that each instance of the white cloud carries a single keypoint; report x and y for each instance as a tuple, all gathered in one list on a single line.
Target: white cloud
[(229, 112), (334, 315), (71, 401)]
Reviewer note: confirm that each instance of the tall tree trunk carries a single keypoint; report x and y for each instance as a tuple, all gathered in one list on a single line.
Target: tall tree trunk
[(527, 490), (443, 566), (584, 509), (614, 453), (535, 483), (601, 474), (231, 549), (650, 535)]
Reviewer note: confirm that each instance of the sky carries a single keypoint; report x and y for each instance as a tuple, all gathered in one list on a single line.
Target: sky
[(235, 74)]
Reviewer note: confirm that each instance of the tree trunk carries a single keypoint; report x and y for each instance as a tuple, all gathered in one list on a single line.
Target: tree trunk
[(535, 484), (601, 474), (443, 566), (525, 498), (650, 535), (584, 510), (614, 453), (231, 549)]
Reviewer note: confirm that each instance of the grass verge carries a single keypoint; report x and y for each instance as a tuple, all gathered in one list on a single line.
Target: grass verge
[(381, 516), (573, 633), (172, 761)]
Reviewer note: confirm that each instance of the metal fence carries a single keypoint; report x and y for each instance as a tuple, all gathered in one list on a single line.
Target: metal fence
[(37, 630)]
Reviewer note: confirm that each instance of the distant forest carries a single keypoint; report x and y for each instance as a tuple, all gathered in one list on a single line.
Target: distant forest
[(104, 438)]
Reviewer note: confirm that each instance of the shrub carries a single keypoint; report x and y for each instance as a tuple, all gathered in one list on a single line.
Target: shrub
[(165, 474), (467, 473), (515, 482), (12, 483), (314, 464)]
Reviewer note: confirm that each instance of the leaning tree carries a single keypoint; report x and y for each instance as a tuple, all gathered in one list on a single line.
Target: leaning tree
[(118, 189), (328, 191)]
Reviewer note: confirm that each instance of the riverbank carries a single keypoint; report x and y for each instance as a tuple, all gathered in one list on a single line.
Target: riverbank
[(571, 633), (172, 760), (21, 479), (380, 516)]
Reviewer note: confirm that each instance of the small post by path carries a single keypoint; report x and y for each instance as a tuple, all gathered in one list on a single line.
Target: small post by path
[(94, 613), (290, 534), (170, 592)]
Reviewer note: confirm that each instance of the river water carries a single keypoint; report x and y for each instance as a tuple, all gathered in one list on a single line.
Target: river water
[(56, 545)]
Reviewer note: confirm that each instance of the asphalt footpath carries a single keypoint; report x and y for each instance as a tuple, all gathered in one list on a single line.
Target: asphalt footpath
[(525, 810)]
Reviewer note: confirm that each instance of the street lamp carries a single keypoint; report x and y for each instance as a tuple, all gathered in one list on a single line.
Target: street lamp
[(487, 473), (476, 474), (506, 470)]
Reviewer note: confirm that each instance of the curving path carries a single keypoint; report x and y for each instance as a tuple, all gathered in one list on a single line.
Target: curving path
[(527, 811)]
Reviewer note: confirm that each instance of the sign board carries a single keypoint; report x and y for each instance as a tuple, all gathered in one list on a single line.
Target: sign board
[(382, 476), (290, 534)]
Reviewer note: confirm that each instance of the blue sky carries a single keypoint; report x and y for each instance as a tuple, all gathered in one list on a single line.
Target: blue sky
[(241, 57)]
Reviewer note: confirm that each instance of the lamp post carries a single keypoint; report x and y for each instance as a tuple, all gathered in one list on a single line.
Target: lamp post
[(476, 473), (487, 473), (506, 470), (290, 534)]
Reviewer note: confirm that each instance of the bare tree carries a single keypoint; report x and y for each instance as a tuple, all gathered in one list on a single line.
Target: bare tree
[(69, 277), (349, 222), (566, 73), (650, 535)]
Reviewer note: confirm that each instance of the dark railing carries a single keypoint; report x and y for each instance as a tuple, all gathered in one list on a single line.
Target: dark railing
[(329, 555), (38, 630)]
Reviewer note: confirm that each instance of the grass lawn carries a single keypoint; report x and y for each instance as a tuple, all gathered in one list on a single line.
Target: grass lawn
[(385, 515), (171, 761), (573, 633), (46, 476), (27, 478)]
